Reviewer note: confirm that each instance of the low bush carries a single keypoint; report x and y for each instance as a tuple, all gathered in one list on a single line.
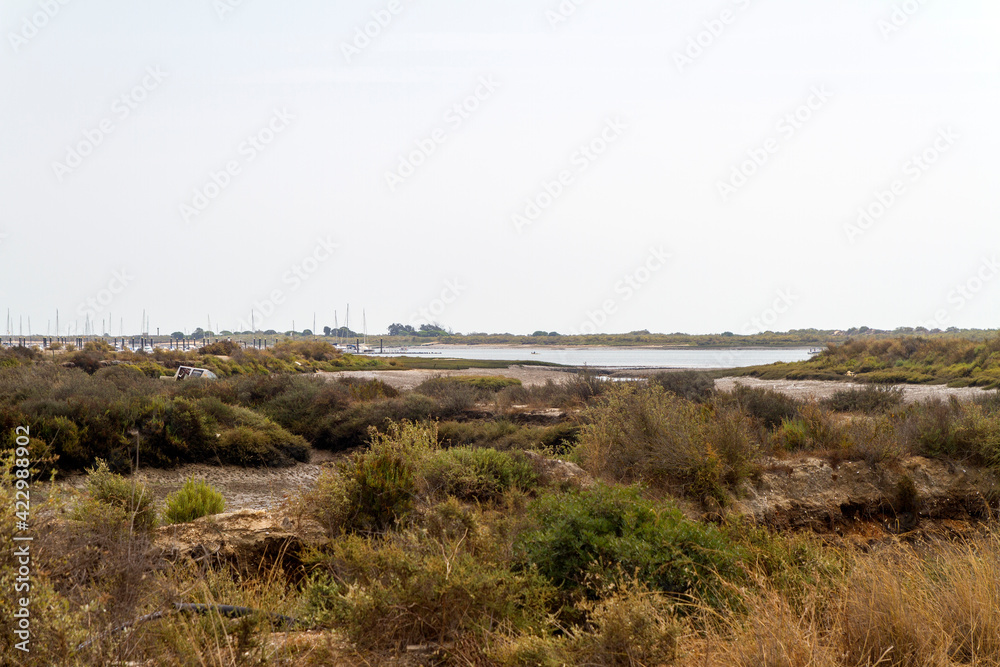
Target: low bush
[(870, 398), (589, 542), (374, 490), (693, 385), (124, 502), (644, 434), (349, 428), (425, 586), (197, 498), (875, 439), (767, 406), (220, 347), (504, 434), (368, 390), (477, 474), (814, 429)]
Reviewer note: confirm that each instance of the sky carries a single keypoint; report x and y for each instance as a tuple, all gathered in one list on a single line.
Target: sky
[(576, 166)]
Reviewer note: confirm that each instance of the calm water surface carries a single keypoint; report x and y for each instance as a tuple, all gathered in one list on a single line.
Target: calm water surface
[(612, 357)]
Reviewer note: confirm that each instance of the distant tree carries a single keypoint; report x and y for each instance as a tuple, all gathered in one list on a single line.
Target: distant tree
[(727, 334), (397, 329), (327, 331), (225, 332), (198, 334), (540, 333), (307, 332), (177, 334), (554, 333), (432, 330), (270, 332)]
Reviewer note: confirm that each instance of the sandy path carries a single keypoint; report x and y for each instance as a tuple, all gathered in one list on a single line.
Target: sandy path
[(528, 375), (243, 488), (912, 393)]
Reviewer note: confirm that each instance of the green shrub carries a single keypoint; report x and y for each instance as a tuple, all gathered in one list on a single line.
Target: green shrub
[(814, 429), (487, 383), (898, 376), (695, 386), (373, 490), (874, 438), (369, 390), (129, 502), (349, 428), (871, 398), (193, 500), (769, 407), (645, 434), (931, 428), (220, 347), (395, 592), (477, 474), (504, 434), (588, 542)]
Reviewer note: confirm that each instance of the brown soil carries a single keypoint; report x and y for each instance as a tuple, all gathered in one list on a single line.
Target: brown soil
[(912, 495)]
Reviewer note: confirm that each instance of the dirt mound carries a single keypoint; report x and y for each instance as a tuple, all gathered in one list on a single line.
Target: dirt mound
[(826, 496), (245, 537), (557, 472)]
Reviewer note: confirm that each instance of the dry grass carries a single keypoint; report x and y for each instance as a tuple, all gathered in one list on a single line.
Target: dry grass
[(901, 606)]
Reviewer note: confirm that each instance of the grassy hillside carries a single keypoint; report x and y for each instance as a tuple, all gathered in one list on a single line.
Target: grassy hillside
[(957, 362)]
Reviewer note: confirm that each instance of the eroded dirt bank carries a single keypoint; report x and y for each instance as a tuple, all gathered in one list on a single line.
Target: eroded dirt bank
[(855, 498)]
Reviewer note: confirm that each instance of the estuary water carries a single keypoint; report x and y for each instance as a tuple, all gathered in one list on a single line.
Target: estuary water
[(615, 357)]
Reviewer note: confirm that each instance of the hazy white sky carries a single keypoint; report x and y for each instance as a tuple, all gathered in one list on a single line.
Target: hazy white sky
[(501, 166)]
